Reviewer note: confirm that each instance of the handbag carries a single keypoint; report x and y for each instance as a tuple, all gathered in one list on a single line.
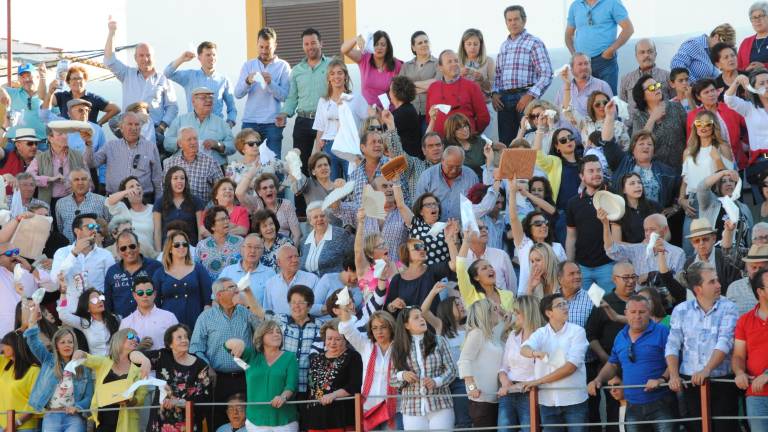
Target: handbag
[(383, 411)]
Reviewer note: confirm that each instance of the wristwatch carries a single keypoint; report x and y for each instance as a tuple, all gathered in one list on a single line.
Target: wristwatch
[(471, 387)]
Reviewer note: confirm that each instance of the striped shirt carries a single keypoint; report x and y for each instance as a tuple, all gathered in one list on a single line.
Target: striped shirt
[(202, 173), (523, 61), (122, 160), (213, 328), (693, 55), (580, 306)]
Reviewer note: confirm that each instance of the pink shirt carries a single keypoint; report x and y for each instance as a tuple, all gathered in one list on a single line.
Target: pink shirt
[(153, 324), (374, 82), (59, 188)]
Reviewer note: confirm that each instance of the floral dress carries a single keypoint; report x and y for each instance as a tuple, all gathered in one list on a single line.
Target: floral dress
[(186, 382), (327, 375), (214, 257), (269, 257)]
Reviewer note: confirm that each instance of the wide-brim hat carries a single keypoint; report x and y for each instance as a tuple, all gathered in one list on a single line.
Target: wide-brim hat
[(613, 204), (26, 134), (757, 253), (700, 227)]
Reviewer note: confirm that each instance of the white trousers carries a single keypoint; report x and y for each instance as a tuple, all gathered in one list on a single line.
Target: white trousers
[(442, 419)]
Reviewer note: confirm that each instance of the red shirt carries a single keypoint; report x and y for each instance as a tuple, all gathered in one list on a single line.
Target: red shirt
[(13, 165), (464, 96), (754, 332)]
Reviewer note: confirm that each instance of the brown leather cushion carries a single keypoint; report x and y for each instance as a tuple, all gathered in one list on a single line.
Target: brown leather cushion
[(517, 162), (395, 166)]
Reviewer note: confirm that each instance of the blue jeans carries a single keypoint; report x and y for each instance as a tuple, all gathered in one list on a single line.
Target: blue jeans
[(601, 275), (514, 410), (662, 409), (606, 70), (509, 117), (564, 415), (271, 133), (460, 404), (338, 165), (757, 406), (63, 422), (561, 227)]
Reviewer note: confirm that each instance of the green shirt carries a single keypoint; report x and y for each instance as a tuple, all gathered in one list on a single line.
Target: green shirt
[(308, 85), (264, 382)]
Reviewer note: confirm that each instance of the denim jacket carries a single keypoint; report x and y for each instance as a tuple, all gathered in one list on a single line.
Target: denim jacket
[(47, 380)]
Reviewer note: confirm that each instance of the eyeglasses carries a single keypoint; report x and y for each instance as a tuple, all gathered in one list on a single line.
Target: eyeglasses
[(429, 205), (83, 110), (11, 252), (252, 143), (632, 352), (653, 87), (133, 336), (417, 246), (702, 123), (540, 222), (372, 128), (237, 409), (600, 103), (756, 17), (482, 228), (136, 160), (147, 292), (131, 246), (97, 299), (563, 305), (204, 96), (31, 144), (628, 278), (177, 245), (93, 226), (533, 116), (565, 139)]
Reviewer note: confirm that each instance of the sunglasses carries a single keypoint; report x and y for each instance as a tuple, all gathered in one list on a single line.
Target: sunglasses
[(702, 123), (29, 103), (653, 87), (565, 139), (97, 299), (533, 116), (11, 252), (93, 227), (632, 352), (133, 336), (147, 292), (31, 144), (538, 223), (136, 160), (418, 246), (372, 128), (600, 103), (131, 246), (482, 228), (178, 245), (252, 143)]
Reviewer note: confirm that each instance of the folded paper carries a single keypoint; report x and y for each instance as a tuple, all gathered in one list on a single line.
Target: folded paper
[(266, 155), (468, 220), (384, 99), (343, 298), (112, 393), (338, 194), (240, 362), (595, 294), (378, 268), (651, 244), (436, 229), (373, 203), (443, 108), (160, 384)]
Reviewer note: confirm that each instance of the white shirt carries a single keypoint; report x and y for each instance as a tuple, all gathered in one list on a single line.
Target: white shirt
[(327, 115), (480, 358), (8, 300), (523, 253), (695, 173), (153, 325), (567, 345), (276, 294), (86, 270), (364, 346), (96, 332), (315, 249), (756, 119), (499, 260), (142, 222)]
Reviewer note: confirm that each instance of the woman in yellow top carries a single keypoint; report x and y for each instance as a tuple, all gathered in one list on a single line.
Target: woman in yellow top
[(478, 281), (121, 364), (18, 374)]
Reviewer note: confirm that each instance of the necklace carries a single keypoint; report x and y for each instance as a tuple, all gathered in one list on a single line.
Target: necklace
[(762, 42)]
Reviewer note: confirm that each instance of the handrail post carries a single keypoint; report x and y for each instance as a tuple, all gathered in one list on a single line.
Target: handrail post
[(10, 423), (706, 412), (533, 402), (189, 415), (358, 412)]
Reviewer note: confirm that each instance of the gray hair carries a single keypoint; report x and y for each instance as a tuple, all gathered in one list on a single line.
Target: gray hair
[(285, 246), (648, 40), (77, 170), (218, 284), (758, 6), (24, 176), (117, 221), (453, 150), (659, 219), (580, 54), (759, 227), (314, 205), (184, 129)]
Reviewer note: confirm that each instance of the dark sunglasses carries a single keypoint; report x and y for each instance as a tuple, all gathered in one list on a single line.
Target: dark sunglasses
[(600, 103), (147, 292), (372, 128), (136, 160), (538, 223), (565, 139), (11, 252), (252, 143), (133, 336), (31, 143), (533, 116), (632, 352), (131, 246), (180, 245), (418, 246)]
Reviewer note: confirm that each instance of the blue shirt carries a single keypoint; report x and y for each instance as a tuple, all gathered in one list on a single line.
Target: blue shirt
[(259, 278), (648, 362), (156, 90), (693, 55), (433, 180), (326, 286), (118, 284), (214, 328), (213, 127), (191, 79), (263, 105), (694, 334), (595, 25), (276, 296), (29, 109)]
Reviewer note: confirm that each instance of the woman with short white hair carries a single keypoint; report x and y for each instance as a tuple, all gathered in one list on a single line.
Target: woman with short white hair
[(323, 249), (753, 50)]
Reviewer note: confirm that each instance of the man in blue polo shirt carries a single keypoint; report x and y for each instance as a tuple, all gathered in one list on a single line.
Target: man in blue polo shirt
[(592, 30), (639, 351), (23, 101)]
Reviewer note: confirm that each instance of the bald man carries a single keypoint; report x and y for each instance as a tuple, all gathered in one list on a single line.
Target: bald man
[(289, 275), (645, 54), (448, 181), (143, 83)]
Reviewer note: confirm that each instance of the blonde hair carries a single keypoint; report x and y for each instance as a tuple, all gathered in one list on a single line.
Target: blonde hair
[(545, 105), (528, 307), (480, 317), (169, 244), (58, 370), (261, 331), (481, 56), (550, 272), (694, 142), (726, 33), (337, 62), (117, 342), (371, 240)]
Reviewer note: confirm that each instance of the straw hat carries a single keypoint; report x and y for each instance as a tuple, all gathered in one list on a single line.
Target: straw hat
[(613, 204), (700, 227), (757, 253)]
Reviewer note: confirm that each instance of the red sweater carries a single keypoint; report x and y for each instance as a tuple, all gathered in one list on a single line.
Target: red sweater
[(745, 48), (464, 96), (12, 165), (735, 124)]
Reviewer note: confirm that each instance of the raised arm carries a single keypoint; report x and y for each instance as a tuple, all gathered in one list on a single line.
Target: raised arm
[(361, 262), (426, 306), (405, 211), (352, 48), (518, 235)]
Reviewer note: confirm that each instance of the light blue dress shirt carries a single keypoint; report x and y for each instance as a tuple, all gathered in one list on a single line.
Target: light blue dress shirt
[(156, 90), (263, 105), (276, 296), (213, 127), (433, 180), (327, 284), (595, 25), (222, 89), (259, 278)]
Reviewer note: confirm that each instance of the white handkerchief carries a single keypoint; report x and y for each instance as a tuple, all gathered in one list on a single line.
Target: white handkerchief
[(736, 190), (556, 360), (38, 295), (342, 299), (384, 99), (651, 244), (561, 69), (160, 384), (258, 78), (18, 272), (621, 106), (550, 113), (368, 33), (760, 91), (378, 268), (244, 282), (444, 108), (72, 365), (293, 161), (266, 155), (436, 229), (346, 144), (468, 221), (595, 294), (338, 194), (486, 139), (240, 362), (731, 209)]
